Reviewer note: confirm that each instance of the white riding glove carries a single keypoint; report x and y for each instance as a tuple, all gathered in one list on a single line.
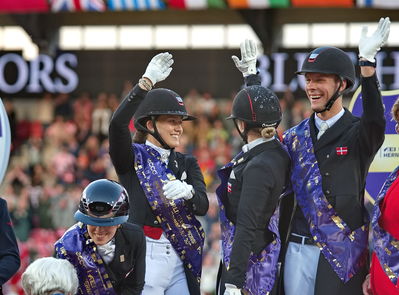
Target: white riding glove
[(369, 46), (177, 189), (232, 290), (159, 67), (247, 64)]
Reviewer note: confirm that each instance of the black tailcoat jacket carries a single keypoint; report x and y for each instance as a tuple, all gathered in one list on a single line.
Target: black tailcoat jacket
[(257, 180), (122, 157), (344, 177), (127, 268)]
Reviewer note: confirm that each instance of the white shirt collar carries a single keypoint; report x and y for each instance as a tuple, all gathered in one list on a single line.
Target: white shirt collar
[(254, 143), (330, 122), (163, 152), (107, 251)]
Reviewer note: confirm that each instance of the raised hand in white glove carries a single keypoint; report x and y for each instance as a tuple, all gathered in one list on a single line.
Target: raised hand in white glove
[(369, 46), (177, 189), (159, 67), (247, 64), (231, 290)]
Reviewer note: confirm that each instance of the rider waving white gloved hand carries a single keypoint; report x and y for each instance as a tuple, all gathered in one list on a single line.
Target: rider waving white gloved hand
[(159, 68), (369, 46), (247, 64)]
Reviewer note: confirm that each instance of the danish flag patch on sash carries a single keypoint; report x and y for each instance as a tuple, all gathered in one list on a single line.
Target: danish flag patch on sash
[(341, 150)]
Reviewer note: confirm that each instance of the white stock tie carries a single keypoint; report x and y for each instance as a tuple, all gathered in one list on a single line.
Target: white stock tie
[(323, 128)]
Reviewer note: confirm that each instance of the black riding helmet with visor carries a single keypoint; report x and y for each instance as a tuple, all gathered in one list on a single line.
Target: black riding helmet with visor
[(330, 60), (257, 107), (103, 203), (160, 101)]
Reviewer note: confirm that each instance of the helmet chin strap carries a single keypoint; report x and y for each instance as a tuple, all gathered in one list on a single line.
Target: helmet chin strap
[(155, 133), (158, 136), (333, 98), (244, 135)]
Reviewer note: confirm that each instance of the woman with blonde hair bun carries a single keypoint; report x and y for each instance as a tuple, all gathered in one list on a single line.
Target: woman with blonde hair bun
[(250, 190)]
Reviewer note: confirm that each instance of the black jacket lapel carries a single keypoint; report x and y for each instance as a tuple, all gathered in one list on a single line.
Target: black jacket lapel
[(341, 126), (175, 164)]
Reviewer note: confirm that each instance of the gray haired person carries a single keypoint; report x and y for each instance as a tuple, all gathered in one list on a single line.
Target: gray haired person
[(50, 276)]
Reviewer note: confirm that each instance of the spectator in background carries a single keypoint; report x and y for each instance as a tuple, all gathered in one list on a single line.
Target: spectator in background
[(17, 185), (82, 116), (207, 103), (83, 109), (113, 102), (32, 151), (216, 134), (64, 204), (9, 253), (63, 165), (63, 107), (48, 275), (92, 147), (202, 126), (20, 211), (205, 161), (60, 131), (101, 117), (45, 110), (107, 253)]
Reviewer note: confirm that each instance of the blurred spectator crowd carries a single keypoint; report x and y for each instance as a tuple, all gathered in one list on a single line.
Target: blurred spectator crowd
[(64, 145)]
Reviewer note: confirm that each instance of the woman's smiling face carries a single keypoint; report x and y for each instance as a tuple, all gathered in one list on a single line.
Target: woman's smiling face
[(101, 234), (170, 128)]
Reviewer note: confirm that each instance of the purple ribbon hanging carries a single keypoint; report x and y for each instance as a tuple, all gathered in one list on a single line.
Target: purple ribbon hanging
[(345, 250), (262, 267), (385, 245), (182, 229), (78, 248)]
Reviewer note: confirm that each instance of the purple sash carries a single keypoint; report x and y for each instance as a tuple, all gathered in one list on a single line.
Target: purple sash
[(78, 248), (262, 268), (385, 246), (181, 227), (345, 250)]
